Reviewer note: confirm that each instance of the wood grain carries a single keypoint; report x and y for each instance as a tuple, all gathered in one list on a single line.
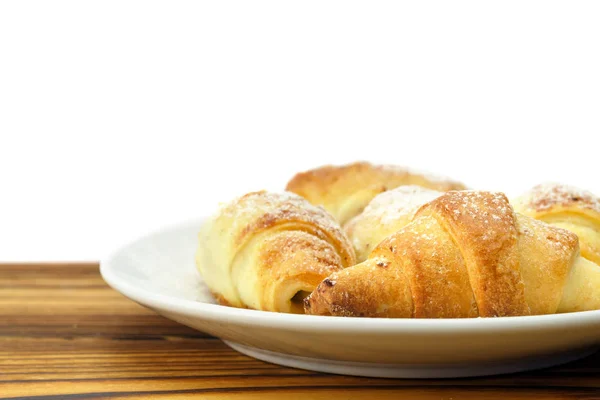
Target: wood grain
[(64, 334)]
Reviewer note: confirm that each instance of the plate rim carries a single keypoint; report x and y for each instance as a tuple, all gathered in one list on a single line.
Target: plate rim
[(315, 323)]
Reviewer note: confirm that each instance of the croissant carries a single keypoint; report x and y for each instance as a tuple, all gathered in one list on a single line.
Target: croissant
[(345, 190), (566, 207), (267, 251), (465, 254), (387, 213)]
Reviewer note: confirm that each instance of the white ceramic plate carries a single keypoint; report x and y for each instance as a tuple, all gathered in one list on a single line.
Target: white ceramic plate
[(158, 272)]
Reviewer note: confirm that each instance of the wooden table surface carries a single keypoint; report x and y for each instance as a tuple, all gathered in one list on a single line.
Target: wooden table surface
[(64, 334)]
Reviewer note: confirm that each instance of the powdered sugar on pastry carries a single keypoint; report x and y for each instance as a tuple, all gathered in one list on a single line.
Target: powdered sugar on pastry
[(385, 214), (549, 195), (277, 206), (389, 206)]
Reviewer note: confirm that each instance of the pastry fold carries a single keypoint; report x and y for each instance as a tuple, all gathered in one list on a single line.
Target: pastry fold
[(566, 207), (387, 213), (465, 254), (267, 251)]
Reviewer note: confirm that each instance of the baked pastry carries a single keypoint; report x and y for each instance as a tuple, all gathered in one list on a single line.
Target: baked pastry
[(345, 190), (566, 207), (267, 251), (465, 254), (387, 213)]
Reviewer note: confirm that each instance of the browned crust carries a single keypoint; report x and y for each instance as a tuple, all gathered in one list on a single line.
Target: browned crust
[(439, 280), (370, 289), (321, 179), (417, 272), (483, 225)]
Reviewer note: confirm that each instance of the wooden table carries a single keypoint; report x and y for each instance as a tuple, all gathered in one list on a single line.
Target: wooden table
[(64, 334)]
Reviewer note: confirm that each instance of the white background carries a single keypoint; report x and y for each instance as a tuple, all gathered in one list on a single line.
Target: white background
[(117, 117)]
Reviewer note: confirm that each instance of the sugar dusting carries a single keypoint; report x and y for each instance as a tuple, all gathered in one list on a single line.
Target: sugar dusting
[(283, 204), (260, 211), (493, 209), (388, 207), (304, 251), (560, 239), (488, 210), (548, 195)]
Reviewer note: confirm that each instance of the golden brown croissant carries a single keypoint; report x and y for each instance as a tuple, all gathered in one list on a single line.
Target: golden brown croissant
[(566, 207), (387, 213), (345, 190), (267, 251), (465, 254)]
